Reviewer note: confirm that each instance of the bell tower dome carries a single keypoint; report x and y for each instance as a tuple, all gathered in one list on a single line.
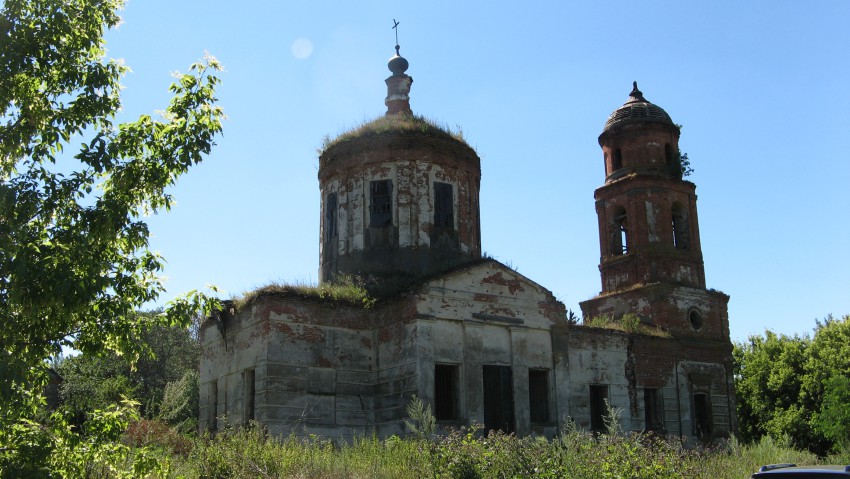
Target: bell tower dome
[(651, 258), (399, 195)]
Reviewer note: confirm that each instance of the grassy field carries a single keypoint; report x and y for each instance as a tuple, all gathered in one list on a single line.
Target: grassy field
[(251, 453)]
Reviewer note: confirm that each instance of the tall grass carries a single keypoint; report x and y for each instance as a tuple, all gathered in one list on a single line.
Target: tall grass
[(469, 453)]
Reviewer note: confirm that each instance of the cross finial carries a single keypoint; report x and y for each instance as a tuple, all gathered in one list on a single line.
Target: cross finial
[(395, 27)]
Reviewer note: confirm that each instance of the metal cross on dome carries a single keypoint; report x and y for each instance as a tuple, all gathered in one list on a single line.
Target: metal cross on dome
[(395, 27)]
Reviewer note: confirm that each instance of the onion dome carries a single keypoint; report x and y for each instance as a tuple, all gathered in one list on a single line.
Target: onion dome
[(636, 110), (398, 86), (397, 64)]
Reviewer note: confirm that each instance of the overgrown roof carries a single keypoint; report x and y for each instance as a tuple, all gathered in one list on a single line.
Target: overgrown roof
[(402, 123), (350, 290)]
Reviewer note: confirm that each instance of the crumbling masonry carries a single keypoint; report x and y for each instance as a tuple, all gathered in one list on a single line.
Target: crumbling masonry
[(471, 337)]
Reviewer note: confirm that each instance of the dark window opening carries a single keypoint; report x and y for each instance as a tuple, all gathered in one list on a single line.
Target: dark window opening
[(598, 406), (616, 160), (653, 410), (444, 215), (249, 395), (702, 415), (381, 206), (681, 236), (538, 395), (620, 233), (330, 217), (695, 319), (668, 154), (446, 392), (213, 406), (498, 399)]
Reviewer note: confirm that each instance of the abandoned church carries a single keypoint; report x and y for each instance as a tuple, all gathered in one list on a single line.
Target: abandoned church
[(469, 336)]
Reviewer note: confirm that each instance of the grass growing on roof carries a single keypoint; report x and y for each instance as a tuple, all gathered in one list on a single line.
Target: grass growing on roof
[(395, 123), (628, 323), (346, 289)]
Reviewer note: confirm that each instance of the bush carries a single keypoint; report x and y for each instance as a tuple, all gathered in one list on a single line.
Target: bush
[(156, 433), (180, 400)]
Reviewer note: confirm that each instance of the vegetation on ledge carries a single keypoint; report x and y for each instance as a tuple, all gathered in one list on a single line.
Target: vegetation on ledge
[(628, 323), (394, 123), (347, 289)]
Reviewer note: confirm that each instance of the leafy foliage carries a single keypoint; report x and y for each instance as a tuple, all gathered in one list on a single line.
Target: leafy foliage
[(468, 453), (180, 400), (684, 165), (95, 381), (52, 448), (769, 372), (796, 387), (422, 422), (74, 259)]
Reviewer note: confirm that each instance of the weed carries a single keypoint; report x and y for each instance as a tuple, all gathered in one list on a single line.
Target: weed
[(422, 423)]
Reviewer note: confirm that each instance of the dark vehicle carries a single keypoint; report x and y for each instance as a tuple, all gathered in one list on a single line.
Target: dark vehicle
[(793, 471)]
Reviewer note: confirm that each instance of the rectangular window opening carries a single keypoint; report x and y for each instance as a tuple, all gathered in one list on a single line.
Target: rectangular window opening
[(381, 206), (598, 406), (446, 392), (330, 217), (249, 395), (213, 406), (498, 398), (653, 410), (538, 395), (444, 215), (702, 415)]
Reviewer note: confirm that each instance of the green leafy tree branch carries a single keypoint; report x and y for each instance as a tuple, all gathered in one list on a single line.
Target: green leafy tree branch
[(74, 259)]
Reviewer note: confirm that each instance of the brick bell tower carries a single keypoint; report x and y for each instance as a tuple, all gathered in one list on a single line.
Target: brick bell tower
[(651, 261)]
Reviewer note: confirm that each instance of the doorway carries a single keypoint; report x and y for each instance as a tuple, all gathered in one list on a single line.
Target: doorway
[(498, 398)]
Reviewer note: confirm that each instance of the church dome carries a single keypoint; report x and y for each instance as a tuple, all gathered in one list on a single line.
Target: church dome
[(398, 64), (636, 110)]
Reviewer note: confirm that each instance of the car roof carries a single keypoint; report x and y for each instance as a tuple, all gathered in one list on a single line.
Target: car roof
[(794, 471)]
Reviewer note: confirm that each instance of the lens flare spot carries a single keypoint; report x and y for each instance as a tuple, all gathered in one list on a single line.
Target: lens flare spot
[(302, 48)]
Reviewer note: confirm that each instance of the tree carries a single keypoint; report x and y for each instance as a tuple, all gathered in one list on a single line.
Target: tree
[(827, 382), (796, 387), (180, 402), (769, 373), (93, 382), (74, 258)]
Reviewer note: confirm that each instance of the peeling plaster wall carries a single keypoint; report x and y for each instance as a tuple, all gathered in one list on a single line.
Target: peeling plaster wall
[(225, 368), (668, 307), (597, 358), (629, 364), (320, 367), (411, 244), (335, 370), (339, 371), (652, 255), (489, 315)]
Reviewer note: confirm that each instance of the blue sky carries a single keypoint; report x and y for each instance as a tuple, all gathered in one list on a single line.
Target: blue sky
[(761, 88)]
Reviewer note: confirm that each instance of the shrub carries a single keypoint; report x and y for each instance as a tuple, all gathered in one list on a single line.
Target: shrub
[(179, 406), (156, 433)]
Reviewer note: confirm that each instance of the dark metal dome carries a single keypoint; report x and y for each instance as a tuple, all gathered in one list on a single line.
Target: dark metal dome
[(637, 110), (398, 64)]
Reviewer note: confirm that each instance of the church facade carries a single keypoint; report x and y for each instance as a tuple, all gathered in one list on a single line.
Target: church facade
[(469, 336)]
